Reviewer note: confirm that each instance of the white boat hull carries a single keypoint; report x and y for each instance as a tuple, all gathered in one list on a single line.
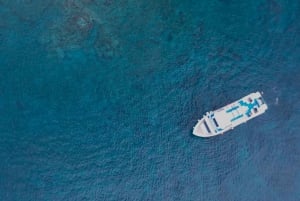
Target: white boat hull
[(228, 117)]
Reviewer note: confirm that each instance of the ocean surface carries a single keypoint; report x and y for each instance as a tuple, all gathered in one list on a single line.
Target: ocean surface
[(98, 99)]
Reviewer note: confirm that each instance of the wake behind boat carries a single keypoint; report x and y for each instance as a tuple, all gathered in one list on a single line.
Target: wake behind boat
[(226, 118)]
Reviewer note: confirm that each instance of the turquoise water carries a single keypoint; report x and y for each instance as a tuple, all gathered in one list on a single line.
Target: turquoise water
[(98, 99)]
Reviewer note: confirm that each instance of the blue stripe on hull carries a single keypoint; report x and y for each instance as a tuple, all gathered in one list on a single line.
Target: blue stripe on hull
[(231, 109), (235, 118)]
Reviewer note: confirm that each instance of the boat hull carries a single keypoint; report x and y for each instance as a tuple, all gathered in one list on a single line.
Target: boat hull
[(228, 117)]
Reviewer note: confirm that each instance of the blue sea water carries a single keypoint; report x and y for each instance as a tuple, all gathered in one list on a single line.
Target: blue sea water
[(98, 99)]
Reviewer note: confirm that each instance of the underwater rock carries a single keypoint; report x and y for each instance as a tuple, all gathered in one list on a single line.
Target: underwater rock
[(27, 10), (274, 7), (74, 31), (108, 2), (70, 5), (70, 34), (80, 23), (106, 47)]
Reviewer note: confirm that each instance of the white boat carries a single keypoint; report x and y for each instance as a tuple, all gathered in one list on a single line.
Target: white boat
[(226, 118)]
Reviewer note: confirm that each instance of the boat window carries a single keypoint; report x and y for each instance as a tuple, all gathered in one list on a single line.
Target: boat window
[(255, 110), (206, 126), (216, 122), (262, 100)]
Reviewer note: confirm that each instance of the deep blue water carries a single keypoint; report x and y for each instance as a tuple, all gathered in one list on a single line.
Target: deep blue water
[(98, 99)]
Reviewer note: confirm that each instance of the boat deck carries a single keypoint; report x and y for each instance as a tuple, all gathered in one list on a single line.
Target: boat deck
[(231, 115)]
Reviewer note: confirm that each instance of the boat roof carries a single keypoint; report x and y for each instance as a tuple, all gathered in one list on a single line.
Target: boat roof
[(239, 111), (231, 115)]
